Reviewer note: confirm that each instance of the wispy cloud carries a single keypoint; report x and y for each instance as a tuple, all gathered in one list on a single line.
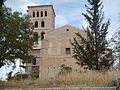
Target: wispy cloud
[(60, 20), (69, 11), (19, 5), (26, 3)]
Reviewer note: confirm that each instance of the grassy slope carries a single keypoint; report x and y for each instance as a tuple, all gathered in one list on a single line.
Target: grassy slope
[(84, 79)]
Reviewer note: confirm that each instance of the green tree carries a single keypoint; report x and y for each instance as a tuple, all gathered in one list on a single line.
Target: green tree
[(16, 37), (92, 51), (2, 2)]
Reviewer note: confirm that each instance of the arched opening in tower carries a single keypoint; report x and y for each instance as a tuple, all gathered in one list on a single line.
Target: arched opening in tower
[(42, 35), (42, 24)]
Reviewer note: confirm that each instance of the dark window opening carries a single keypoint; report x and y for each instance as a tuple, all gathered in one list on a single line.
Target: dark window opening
[(68, 51), (37, 14), (42, 24), (42, 35), (45, 13), (41, 13), (33, 14), (36, 24), (34, 61), (67, 29)]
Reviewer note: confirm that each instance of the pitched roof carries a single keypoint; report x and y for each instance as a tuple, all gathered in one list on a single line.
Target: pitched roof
[(55, 30)]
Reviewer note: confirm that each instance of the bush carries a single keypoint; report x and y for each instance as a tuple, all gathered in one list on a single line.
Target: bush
[(34, 72), (20, 76), (65, 69)]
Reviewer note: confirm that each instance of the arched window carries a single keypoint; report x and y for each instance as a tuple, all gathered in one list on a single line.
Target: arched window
[(41, 13), (42, 24), (37, 14), (36, 24), (33, 14), (46, 13), (42, 35)]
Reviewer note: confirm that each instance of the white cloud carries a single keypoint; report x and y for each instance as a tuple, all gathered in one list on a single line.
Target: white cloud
[(19, 5), (25, 3), (60, 20)]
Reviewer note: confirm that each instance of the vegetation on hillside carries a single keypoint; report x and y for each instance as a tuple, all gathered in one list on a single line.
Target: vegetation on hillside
[(73, 79)]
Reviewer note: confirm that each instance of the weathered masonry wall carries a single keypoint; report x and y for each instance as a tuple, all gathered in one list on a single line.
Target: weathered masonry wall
[(91, 88)]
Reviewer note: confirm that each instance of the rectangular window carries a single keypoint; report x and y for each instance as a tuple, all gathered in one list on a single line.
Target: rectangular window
[(68, 51)]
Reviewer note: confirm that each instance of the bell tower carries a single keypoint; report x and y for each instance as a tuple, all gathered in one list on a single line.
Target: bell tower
[(42, 17)]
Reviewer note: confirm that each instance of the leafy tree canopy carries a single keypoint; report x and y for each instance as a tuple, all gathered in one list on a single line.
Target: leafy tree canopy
[(2, 2), (15, 37)]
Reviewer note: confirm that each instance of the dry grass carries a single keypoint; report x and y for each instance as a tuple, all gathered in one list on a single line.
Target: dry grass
[(74, 79), (88, 79)]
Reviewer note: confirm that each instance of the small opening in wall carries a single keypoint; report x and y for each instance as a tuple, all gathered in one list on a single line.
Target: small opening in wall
[(37, 14), (42, 24), (42, 35), (33, 14), (41, 13), (68, 51), (46, 13), (36, 24), (34, 61), (67, 29)]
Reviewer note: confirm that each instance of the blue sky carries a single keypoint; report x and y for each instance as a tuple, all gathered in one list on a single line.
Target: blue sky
[(69, 12)]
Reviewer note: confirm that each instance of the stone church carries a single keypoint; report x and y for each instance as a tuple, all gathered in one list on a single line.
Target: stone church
[(53, 48)]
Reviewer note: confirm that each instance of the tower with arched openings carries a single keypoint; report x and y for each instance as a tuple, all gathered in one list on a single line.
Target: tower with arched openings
[(43, 18)]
